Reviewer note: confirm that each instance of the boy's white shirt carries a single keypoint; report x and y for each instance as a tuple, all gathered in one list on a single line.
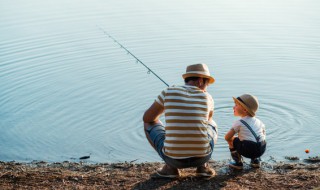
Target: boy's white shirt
[(245, 134)]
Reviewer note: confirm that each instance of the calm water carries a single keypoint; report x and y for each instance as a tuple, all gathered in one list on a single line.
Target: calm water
[(67, 90)]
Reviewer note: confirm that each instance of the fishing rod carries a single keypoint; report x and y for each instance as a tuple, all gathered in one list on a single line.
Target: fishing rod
[(136, 58)]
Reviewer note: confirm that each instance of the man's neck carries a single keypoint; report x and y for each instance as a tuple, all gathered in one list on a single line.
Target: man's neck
[(191, 83), (195, 84)]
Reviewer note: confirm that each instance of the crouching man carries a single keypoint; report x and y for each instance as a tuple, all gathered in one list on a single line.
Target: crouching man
[(188, 137)]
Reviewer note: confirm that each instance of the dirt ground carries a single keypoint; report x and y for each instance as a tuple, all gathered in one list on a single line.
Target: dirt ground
[(131, 175)]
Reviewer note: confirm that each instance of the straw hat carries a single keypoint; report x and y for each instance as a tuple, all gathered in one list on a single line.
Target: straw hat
[(198, 70), (249, 102)]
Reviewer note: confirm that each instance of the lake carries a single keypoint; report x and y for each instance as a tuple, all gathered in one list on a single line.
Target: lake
[(68, 90)]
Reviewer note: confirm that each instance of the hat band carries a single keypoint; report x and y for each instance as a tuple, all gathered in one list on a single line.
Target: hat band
[(238, 98), (198, 72)]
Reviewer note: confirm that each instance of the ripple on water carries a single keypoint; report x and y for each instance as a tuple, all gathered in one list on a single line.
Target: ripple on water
[(68, 90)]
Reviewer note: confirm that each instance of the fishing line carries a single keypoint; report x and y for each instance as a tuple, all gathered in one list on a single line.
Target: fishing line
[(136, 58)]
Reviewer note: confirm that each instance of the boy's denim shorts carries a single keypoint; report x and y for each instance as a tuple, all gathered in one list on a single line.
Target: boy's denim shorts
[(157, 135), (249, 149)]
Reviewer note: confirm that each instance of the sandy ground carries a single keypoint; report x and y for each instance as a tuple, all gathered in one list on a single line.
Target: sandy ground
[(131, 175)]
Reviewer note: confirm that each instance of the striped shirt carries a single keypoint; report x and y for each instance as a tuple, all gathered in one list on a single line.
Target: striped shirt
[(187, 111)]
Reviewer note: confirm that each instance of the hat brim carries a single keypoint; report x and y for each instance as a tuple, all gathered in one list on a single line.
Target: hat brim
[(211, 79), (244, 106)]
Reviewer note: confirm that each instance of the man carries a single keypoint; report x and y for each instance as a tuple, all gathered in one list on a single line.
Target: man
[(189, 136)]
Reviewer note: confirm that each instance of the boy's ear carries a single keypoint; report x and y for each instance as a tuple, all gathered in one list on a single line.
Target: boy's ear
[(246, 111)]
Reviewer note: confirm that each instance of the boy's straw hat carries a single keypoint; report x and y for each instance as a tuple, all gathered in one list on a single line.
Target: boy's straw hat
[(249, 102), (198, 70)]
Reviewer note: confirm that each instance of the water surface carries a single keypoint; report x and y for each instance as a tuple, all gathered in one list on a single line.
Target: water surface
[(68, 90)]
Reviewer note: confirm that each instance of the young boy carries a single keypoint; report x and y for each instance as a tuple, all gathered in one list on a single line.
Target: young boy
[(250, 142)]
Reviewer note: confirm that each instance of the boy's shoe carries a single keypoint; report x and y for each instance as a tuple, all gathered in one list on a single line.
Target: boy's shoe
[(168, 172), (255, 163), (236, 156), (205, 171), (236, 165)]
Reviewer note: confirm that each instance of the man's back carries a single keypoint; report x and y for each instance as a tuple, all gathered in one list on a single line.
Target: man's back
[(187, 111)]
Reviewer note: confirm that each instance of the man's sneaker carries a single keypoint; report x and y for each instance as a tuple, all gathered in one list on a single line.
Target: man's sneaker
[(167, 172), (205, 171), (236, 165), (255, 163)]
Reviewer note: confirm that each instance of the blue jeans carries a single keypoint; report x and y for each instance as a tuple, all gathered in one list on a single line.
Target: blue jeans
[(156, 134)]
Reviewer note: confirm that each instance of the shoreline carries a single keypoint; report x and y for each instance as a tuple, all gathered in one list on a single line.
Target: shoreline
[(130, 175)]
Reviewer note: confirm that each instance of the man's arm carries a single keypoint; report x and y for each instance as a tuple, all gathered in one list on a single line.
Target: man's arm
[(153, 113), (210, 116)]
